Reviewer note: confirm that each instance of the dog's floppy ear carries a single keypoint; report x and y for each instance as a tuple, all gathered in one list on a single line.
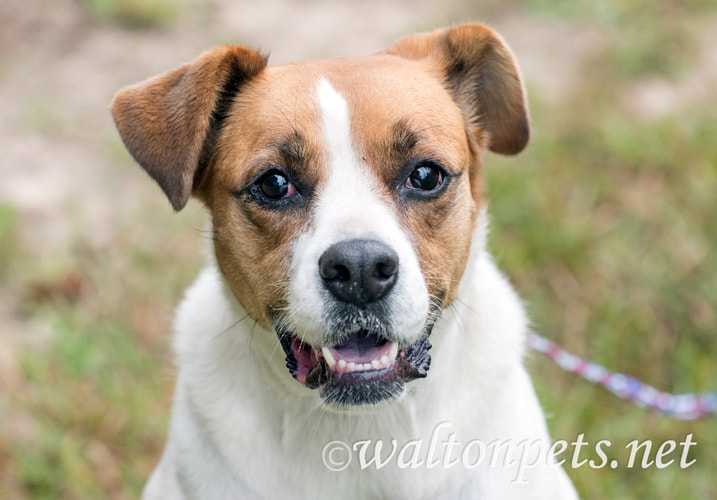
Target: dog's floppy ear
[(479, 70), (170, 123)]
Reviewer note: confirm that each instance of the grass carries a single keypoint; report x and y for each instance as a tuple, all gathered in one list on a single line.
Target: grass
[(605, 225), (9, 235), (135, 14), (90, 412)]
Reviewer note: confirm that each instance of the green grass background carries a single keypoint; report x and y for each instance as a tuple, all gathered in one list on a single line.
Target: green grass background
[(605, 224)]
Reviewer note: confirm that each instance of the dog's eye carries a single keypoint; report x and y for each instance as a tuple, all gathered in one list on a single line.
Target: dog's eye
[(426, 176), (274, 185)]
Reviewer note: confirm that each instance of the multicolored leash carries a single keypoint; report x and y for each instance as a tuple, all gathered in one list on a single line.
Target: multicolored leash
[(679, 406)]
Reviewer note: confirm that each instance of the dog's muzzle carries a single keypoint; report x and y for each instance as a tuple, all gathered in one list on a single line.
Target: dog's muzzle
[(361, 363)]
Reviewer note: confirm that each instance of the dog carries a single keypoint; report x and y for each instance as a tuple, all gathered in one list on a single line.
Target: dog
[(348, 296)]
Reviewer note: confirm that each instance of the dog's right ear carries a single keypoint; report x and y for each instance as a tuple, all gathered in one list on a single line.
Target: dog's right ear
[(170, 123)]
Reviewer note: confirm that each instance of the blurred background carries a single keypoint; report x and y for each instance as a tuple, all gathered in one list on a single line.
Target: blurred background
[(605, 224)]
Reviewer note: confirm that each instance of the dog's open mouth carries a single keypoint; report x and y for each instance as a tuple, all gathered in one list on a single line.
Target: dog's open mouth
[(364, 368)]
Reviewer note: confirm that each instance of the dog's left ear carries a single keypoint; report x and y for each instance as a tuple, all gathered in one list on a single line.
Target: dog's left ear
[(170, 123), (479, 70)]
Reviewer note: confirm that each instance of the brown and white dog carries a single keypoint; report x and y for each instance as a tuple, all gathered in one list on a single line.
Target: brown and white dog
[(348, 215)]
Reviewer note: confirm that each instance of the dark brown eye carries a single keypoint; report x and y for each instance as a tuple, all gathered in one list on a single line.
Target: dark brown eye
[(274, 185), (425, 177)]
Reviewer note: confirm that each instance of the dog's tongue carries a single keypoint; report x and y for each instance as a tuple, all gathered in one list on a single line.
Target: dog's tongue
[(361, 347), (361, 351), (305, 359)]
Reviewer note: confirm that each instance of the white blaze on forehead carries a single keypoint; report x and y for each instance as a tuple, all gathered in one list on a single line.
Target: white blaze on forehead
[(350, 193), (349, 207), (336, 125)]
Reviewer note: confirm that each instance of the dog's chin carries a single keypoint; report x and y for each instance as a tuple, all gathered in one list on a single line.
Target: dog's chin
[(363, 369)]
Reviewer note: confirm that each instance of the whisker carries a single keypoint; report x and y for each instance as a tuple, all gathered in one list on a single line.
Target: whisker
[(461, 301), (251, 337), (271, 356), (229, 327)]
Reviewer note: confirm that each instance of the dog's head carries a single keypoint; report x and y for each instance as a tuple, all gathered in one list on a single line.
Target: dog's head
[(343, 193)]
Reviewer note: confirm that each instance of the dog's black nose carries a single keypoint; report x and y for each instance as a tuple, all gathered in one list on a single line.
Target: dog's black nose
[(359, 271)]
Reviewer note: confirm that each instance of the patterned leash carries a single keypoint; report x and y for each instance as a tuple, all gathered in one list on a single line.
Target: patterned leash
[(679, 406)]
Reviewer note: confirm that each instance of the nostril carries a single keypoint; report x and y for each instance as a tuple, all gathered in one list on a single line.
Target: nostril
[(333, 268), (339, 272), (385, 270)]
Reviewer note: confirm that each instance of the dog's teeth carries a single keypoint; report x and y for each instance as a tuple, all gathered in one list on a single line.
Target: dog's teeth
[(393, 354), (341, 365), (328, 356)]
